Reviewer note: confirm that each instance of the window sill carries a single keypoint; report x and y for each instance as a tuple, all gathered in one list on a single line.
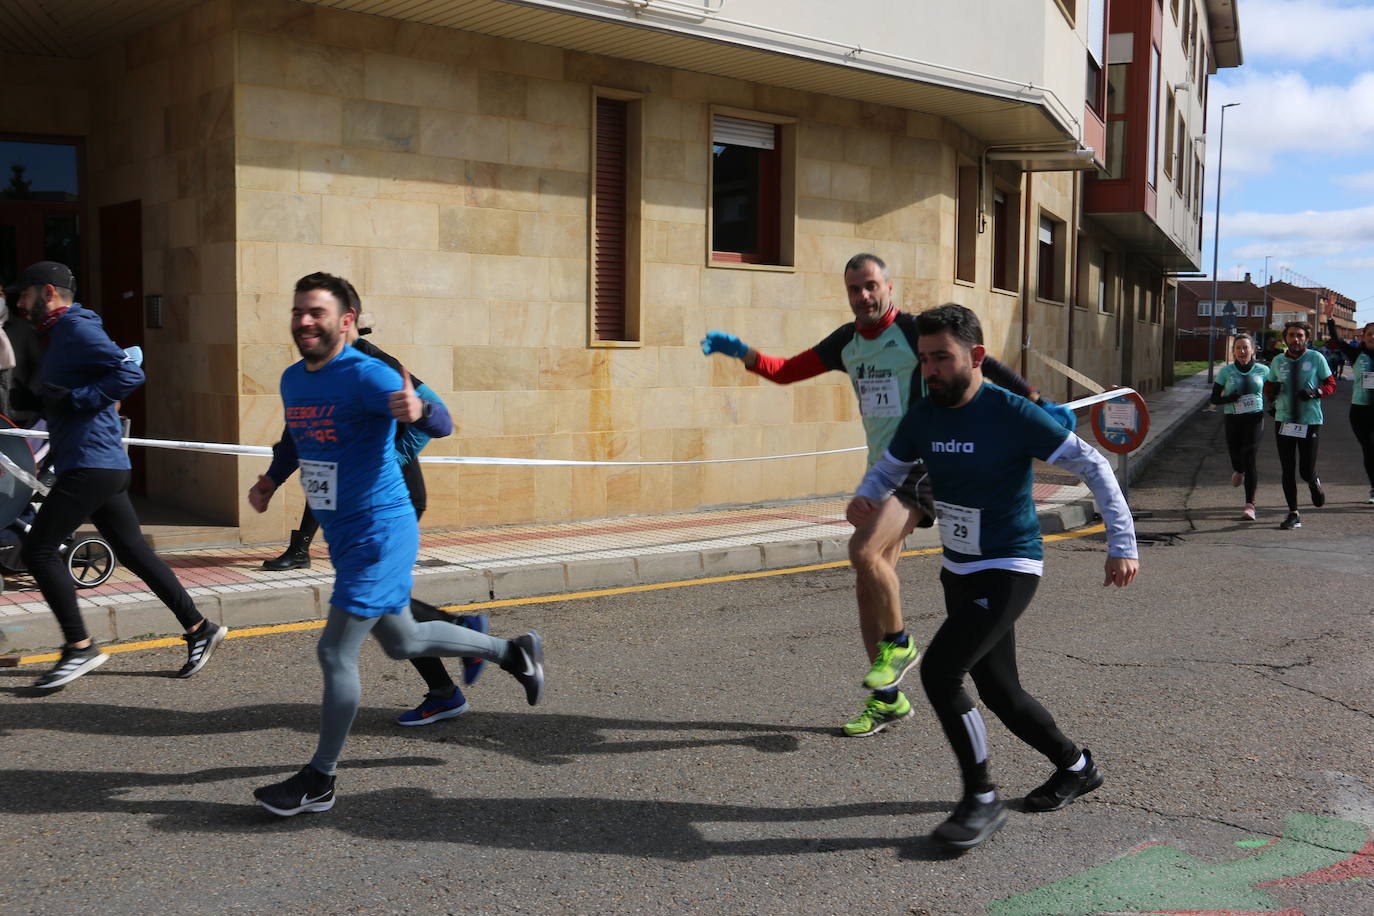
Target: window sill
[(1042, 300), (967, 284), (740, 265), (615, 344), (1001, 291)]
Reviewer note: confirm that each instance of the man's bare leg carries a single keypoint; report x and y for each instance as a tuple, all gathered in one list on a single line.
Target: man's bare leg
[(873, 551)]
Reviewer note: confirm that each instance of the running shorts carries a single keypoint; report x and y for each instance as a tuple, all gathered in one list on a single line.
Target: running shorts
[(373, 566), (915, 493)]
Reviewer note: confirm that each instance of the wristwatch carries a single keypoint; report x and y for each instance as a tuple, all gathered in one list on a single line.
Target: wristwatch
[(426, 409)]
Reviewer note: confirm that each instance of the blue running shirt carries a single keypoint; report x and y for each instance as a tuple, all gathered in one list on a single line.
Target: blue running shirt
[(339, 419), (979, 459)]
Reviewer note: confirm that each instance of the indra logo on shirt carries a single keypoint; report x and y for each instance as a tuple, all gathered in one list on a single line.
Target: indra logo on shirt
[(952, 445)]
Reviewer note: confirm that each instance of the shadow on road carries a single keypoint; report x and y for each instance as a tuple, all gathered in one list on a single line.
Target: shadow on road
[(545, 739), (638, 828)]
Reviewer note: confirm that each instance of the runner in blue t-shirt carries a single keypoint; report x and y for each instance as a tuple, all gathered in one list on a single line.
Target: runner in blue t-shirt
[(978, 441), (341, 412)]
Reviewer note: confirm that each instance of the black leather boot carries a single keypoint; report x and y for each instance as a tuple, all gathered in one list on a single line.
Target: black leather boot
[(296, 555)]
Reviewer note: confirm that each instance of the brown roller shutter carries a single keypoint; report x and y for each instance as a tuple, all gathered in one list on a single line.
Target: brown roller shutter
[(610, 229)]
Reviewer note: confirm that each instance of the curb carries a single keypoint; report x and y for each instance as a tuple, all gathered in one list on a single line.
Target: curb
[(290, 604)]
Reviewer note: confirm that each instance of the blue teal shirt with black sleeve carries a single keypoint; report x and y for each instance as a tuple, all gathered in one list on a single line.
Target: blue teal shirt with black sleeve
[(1247, 383)]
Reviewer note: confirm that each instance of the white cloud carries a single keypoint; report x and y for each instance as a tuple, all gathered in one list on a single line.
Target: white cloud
[(1364, 181), (1353, 263), (1303, 235), (1306, 30), (1284, 113)]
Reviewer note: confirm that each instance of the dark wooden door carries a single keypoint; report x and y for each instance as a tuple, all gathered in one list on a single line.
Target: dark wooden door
[(121, 303)]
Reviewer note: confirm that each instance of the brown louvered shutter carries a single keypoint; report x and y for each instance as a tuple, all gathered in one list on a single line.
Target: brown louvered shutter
[(612, 119)]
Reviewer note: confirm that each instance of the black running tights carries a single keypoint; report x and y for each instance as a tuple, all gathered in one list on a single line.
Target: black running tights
[(1300, 455), (102, 495), (1242, 441), (1362, 422), (978, 638)]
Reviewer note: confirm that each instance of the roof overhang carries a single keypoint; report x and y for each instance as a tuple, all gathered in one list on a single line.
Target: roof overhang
[(992, 109), (1223, 23), (1145, 238)]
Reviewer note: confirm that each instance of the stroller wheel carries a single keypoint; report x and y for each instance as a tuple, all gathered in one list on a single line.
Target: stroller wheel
[(91, 561)]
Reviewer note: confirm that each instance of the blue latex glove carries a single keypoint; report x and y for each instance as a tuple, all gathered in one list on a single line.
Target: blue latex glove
[(135, 354), (1061, 414), (727, 344)]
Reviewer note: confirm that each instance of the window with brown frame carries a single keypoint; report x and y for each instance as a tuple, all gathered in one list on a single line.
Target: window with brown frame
[(1050, 260), (966, 223), (746, 190), (615, 220), (1006, 235)]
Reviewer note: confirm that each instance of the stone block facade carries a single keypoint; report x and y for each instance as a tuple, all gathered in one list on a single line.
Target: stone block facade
[(447, 174)]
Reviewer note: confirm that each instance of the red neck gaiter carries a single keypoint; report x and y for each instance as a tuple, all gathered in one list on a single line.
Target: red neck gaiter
[(870, 331), (50, 319)]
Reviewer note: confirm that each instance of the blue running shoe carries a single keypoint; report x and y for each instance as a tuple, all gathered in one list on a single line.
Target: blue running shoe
[(472, 667), (435, 709)]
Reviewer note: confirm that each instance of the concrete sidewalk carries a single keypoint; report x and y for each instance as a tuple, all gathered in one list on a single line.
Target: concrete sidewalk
[(477, 565)]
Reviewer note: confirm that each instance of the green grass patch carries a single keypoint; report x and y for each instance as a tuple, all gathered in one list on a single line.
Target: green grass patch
[(1189, 368)]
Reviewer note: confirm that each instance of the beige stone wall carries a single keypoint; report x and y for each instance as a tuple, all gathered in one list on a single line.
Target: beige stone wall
[(446, 174), (156, 116), (162, 133)]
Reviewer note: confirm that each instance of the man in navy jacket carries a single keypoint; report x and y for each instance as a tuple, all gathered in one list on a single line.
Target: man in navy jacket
[(83, 376)]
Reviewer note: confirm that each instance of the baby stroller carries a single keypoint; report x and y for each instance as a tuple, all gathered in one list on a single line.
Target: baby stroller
[(25, 476)]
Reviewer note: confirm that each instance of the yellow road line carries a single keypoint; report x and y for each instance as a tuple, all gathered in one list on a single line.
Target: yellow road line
[(48, 657)]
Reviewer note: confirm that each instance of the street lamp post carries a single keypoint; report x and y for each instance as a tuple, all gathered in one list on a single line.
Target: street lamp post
[(1216, 244)]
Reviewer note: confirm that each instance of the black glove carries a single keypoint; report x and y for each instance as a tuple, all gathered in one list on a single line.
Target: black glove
[(1309, 394), (57, 401)]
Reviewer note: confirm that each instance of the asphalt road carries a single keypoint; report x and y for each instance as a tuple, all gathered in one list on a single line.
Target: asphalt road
[(687, 760)]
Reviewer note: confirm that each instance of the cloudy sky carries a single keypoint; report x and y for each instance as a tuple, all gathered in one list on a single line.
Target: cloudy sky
[(1298, 174)]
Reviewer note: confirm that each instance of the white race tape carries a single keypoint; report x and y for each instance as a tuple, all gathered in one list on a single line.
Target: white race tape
[(1092, 399), (262, 451)]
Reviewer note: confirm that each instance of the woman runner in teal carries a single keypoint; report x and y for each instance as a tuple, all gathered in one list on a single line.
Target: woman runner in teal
[(1239, 389), (1361, 357)]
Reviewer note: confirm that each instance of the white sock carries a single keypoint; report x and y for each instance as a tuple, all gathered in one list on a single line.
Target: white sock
[(985, 797), (1079, 764)]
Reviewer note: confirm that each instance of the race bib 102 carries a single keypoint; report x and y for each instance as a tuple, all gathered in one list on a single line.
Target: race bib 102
[(1249, 403)]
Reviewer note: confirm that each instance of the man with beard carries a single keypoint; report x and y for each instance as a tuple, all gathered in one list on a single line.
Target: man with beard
[(978, 442), (342, 407), (878, 352), (82, 377)]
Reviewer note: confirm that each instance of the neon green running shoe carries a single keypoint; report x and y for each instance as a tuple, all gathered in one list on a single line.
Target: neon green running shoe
[(891, 665), (877, 715)]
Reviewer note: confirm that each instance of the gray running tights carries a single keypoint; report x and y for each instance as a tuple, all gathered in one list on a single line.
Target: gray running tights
[(401, 637)]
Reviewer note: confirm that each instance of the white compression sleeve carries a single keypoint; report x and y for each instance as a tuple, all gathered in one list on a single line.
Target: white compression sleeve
[(884, 477), (1081, 459)]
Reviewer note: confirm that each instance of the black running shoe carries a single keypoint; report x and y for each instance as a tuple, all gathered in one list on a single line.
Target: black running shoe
[(308, 790), (1065, 785), (527, 664), (200, 645), (1317, 492), (72, 664), (971, 823), (1293, 520)]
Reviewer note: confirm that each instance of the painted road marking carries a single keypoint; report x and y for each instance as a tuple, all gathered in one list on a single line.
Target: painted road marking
[(49, 657), (1159, 878)]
